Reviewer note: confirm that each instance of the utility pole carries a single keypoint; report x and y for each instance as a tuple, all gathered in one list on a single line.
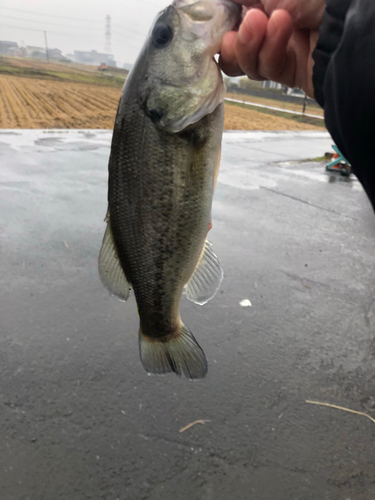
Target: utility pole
[(108, 34), (45, 39), (304, 104)]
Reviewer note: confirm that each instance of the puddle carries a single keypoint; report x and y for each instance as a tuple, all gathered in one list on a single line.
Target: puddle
[(248, 180), (351, 181), (49, 141)]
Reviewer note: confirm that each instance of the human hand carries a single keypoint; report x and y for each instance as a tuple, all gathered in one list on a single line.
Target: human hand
[(275, 42)]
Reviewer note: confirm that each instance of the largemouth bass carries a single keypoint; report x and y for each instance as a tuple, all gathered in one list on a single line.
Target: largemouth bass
[(163, 164)]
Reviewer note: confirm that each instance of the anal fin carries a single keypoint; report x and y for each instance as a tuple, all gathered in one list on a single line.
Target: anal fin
[(207, 277), (110, 271)]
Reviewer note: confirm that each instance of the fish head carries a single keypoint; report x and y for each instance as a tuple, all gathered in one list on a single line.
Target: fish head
[(182, 81), (208, 20)]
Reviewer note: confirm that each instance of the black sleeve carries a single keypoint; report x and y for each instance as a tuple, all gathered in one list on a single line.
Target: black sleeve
[(344, 82)]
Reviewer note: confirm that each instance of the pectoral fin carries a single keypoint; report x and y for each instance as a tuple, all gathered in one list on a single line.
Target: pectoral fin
[(207, 277), (110, 271)]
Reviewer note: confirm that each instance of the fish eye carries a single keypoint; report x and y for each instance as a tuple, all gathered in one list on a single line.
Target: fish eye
[(162, 35)]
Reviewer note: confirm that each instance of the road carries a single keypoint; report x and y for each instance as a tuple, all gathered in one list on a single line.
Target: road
[(79, 417)]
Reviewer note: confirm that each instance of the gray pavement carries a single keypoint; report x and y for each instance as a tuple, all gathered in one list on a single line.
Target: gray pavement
[(79, 417)]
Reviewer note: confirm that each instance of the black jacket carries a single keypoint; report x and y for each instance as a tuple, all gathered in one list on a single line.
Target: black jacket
[(344, 82)]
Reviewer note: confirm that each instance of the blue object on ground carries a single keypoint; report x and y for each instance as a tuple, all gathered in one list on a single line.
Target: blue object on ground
[(343, 169)]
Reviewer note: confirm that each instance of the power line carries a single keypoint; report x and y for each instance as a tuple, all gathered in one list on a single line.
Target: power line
[(12, 26), (53, 15), (51, 32), (146, 3), (140, 39), (65, 17), (129, 29), (86, 39), (118, 42), (60, 33), (67, 26), (41, 22)]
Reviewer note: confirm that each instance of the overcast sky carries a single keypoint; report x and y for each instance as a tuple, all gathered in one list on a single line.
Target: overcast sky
[(80, 24)]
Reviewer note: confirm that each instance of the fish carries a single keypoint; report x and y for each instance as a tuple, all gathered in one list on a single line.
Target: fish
[(163, 167)]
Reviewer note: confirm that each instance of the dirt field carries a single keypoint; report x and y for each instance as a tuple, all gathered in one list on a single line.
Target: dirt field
[(41, 103), (62, 72), (314, 110), (31, 103), (11, 63), (237, 118)]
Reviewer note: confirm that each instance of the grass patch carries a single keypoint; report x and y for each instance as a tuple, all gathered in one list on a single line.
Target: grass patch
[(89, 78), (319, 159)]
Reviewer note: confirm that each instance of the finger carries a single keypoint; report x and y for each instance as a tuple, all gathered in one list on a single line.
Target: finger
[(249, 41), (228, 61), (309, 87), (274, 63), (299, 46), (306, 14)]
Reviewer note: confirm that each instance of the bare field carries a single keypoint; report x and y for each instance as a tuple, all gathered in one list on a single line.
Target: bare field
[(314, 110), (32, 103), (61, 72), (39, 103), (19, 62), (237, 118)]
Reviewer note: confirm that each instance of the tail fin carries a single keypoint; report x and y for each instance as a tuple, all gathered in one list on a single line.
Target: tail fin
[(181, 354)]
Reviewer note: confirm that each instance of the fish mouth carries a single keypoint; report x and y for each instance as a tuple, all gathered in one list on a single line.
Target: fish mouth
[(209, 20), (236, 13), (179, 4), (205, 10), (173, 100), (235, 7)]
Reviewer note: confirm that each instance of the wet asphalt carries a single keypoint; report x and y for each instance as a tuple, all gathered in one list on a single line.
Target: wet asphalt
[(79, 417)]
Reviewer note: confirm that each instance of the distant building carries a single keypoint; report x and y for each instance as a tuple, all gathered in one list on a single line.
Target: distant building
[(55, 54), (296, 92), (272, 85), (94, 58), (7, 48), (127, 66), (232, 82), (18, 53), (35, 52)]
